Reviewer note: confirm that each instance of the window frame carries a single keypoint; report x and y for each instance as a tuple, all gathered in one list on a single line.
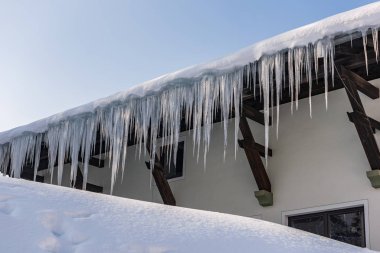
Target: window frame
[(330, 208)]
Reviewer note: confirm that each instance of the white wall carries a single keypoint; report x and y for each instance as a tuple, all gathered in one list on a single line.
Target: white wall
[(316, 162)]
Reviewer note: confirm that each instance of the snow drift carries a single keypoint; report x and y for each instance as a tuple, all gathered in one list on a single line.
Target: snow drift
[(39, 217)]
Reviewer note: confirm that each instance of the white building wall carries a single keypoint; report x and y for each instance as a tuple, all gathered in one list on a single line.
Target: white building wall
[(316, 162)]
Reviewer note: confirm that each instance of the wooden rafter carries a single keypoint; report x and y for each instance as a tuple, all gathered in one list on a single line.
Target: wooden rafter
[(260, 148), (362, 85), (255, 115), (360, 119)]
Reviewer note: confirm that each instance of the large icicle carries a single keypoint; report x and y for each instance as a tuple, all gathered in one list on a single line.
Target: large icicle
[(22, 150), (37, 155), (279, 68), (4, 158)]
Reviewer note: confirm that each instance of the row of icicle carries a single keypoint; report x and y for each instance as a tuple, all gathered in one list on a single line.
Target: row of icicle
[(147, 117)]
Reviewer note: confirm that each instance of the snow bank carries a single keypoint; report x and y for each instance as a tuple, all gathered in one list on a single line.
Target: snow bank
[(145, 110), (37, 217)]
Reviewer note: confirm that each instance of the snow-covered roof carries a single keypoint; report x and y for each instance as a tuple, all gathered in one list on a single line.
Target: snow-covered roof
[(155, 108), (359, 19), (45, 218)]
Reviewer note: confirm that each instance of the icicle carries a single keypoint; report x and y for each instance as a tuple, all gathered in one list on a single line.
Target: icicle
[(22, 149), (279, 69), (309, 75), (291, 78), (351, 40), (237, 94), (4, 158), (364, 35), (375, 39), (127, 121), (254, 70), (298, 62), (37, 154), (52, 140), (75, 133), (62, 149), (89, 137), (266, 72)]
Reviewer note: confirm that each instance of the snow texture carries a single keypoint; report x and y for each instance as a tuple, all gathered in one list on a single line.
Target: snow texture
[(39, 217), (145, 110)]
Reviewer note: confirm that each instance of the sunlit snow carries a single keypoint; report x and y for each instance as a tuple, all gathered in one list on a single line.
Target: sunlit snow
[(38, 217)]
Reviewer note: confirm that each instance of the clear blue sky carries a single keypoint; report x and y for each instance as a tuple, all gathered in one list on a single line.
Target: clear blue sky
[(55, 55)]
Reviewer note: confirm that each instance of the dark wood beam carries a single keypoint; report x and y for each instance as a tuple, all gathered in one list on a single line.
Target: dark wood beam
[(255, 115), (361, 121), (363, 85), (253, 156), (161, 181), (375, 125), (258, 147)]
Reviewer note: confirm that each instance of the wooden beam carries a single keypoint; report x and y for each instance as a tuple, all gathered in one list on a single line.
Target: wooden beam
[(374, 123), (255, 115), (361, 121), (253, 156), (161, 181), (363, 85), (258, 147)]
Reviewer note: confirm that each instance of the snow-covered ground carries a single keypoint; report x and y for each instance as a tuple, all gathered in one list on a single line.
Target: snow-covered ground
[(37, 217)]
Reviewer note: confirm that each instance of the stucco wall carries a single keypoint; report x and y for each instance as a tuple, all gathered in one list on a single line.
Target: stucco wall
[(316, 162)]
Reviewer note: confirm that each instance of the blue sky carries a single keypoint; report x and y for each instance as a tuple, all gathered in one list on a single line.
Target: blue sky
[(55, 55)]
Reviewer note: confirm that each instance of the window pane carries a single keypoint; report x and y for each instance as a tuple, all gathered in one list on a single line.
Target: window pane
[(310, 223), (347, 227)]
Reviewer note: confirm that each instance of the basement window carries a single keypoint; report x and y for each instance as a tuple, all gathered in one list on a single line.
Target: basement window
[(173, 170), (345, 225)]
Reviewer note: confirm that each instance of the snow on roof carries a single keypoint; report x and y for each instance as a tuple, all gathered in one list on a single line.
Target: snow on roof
[(359, 19), (156, 107), (45, 218)]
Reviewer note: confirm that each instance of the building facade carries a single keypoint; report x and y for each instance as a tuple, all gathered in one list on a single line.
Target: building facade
[(318, 166)]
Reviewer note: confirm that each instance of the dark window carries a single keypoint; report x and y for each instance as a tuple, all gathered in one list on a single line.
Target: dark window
[(346, 225), (171, 169)]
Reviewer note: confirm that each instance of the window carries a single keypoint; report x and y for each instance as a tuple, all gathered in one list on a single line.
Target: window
[(173, 170), (345, 225)]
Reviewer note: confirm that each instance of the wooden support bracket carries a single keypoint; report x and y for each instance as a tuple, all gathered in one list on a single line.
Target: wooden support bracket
[(363, 124), (256, 164), (361, 84), (255, 115), (256, 146), (161, 181), (375, 125)]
